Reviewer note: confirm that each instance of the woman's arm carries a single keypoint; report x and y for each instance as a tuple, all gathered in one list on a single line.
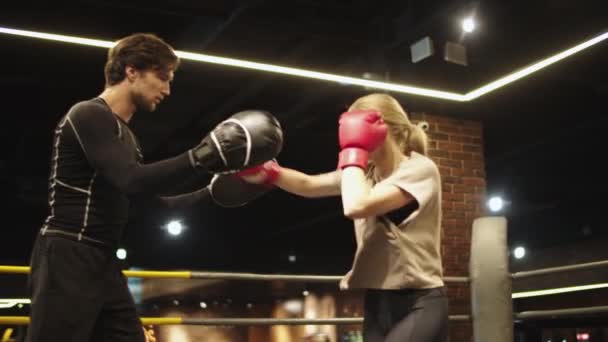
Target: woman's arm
[(299, 183), (360, 200), (294, 181)]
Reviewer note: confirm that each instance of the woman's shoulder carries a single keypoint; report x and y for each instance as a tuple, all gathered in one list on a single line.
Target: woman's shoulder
[(422, 161)]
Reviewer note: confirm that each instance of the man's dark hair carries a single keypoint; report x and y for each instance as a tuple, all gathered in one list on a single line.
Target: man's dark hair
[(142, 51)]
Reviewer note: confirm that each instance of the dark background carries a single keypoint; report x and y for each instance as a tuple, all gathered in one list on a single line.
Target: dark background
[(544, 135)]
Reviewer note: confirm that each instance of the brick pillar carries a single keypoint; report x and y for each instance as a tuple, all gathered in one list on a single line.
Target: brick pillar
[(457, 148)]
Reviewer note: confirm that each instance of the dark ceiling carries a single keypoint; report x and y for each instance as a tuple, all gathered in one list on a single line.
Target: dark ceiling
[(544, 135)]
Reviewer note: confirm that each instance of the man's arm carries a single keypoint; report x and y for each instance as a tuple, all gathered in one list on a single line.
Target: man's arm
[(96, 131), (187, 200)]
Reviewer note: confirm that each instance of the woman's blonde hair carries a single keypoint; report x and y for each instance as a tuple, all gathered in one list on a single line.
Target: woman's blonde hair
[(408, 136)]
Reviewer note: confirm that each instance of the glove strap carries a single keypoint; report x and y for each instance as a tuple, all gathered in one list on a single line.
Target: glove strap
[(272, 172), (353, 156)]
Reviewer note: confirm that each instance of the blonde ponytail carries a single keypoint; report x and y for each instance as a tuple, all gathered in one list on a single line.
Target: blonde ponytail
[(417, 140)]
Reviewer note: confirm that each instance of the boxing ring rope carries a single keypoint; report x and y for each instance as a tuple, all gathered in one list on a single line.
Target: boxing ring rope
[(222, 275), (24, 320), (575, 267), (489, 280), (561, 312)]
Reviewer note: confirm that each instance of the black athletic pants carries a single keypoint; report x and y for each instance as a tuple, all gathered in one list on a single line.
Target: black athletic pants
[(79, 293)]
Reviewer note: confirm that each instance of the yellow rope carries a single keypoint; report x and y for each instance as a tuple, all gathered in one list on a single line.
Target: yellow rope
[(25, 320), (7, 335), (14, 320), (132, 274), (158, 274), (14, 269), (161, 320)]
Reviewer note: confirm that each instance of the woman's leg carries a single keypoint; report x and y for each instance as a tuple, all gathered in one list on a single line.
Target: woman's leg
[(375, 324), (427, 321)]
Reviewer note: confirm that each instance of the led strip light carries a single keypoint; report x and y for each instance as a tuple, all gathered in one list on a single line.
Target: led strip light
[(11, 302), (401, 88), (547, 292)]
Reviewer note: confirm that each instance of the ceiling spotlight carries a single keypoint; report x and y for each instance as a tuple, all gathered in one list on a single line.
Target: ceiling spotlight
[(121, 253), (468, 25), (519, 252), (495, 204), (175, 228)]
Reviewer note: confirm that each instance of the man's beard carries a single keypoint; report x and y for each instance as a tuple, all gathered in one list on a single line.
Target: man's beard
[(141, 104)]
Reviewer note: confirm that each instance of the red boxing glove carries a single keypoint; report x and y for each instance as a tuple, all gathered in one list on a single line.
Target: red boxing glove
[(266, 173), (360, 133)]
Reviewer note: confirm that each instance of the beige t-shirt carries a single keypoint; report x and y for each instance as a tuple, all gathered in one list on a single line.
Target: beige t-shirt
[(406, 255)]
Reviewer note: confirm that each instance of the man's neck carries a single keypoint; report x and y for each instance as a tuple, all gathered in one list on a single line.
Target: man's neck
[(119, 101)]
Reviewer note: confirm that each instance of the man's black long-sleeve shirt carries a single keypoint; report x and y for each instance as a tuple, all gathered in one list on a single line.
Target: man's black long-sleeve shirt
[(96, 166)]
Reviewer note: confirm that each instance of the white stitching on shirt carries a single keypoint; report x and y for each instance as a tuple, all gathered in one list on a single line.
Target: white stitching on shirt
[(54, 173), (87, 207), (75, 188)]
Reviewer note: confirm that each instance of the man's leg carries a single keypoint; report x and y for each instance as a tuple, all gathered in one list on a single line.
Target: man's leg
[(119, 320), (63, 292)]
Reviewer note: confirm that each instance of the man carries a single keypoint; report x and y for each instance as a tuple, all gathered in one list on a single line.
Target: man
[(77, 287)]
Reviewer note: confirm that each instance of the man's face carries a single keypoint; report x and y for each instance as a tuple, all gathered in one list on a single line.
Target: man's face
[(150, 87)]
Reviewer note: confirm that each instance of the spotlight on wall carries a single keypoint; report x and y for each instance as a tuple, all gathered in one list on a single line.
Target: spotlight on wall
[(121, 253), (175, 228), (519, 252), (468, 25), (495, 203), (293, 306)]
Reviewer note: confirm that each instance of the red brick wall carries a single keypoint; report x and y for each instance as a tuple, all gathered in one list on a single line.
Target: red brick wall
[(457, 148)]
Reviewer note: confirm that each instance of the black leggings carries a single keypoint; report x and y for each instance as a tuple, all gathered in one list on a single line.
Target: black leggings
[(406, 315)]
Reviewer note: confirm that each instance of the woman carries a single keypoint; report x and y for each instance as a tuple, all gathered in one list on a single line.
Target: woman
[(392, 192)]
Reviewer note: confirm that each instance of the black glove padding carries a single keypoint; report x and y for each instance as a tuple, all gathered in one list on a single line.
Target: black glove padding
[(230, 190), (246, 139)]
